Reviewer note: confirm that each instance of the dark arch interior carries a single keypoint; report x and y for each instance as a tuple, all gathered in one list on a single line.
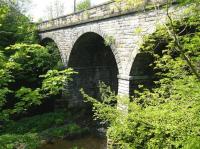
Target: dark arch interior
[(94, 62), (142, 72), (45, 41)]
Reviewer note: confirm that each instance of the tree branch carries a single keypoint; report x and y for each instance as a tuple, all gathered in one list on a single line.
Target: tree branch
[(178, 45)]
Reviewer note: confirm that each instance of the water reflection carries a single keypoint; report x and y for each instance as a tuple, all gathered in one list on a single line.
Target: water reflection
[(90, 142)]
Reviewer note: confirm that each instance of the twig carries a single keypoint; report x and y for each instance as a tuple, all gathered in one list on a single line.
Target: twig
[(183, 29)]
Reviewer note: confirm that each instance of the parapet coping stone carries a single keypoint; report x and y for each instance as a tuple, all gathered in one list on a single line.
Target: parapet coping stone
[(116, 14)]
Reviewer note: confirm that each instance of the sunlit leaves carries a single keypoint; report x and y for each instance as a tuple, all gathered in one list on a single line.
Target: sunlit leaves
[(22, 62), (55, 81), (105, 108)]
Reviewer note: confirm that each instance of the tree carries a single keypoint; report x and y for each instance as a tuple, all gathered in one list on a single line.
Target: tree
[(15, 27), (26, 78), (172, 32), (22, 62), (20, 5)]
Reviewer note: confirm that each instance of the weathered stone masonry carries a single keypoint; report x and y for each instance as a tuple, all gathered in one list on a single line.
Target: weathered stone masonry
[(107, 21)]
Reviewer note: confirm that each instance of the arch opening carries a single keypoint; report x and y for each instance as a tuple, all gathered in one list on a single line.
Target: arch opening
[(141, 72), (53, 49), (94, 62)]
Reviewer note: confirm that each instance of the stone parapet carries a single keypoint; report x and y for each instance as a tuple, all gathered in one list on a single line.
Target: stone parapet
[(100, 12)]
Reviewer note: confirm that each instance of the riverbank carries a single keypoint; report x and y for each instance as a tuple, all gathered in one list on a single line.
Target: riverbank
[(32, 132), (86, 142)]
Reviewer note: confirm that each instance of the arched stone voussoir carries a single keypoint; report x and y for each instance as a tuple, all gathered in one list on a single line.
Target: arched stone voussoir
[(104, 36), (50, 36), (130, 61), (58, 42)]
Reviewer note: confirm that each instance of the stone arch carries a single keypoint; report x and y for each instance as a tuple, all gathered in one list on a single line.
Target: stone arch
[(94, 62), (46, 37), (98, 31), (131, 61), (141, 72)]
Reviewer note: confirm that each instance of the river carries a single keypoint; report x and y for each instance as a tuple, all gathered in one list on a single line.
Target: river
[(88, 142)]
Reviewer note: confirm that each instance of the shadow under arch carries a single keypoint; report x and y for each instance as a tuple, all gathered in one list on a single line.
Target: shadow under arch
[(46, 40), (94, 62), (141, 72)]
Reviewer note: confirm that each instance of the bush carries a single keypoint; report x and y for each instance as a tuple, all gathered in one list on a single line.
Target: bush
[(162, 125), (11, 141), (36, 124), (83, 5), (29, 132)]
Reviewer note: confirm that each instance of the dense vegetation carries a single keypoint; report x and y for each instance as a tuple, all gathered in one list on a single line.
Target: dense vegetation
[(166, 115), (30, 75), (31, 132), (26, 68)]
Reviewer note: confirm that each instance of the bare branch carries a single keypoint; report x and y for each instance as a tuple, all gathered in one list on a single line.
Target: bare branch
[(183, 29)]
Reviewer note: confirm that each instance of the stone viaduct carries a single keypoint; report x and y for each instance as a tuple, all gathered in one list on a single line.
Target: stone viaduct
[(102, 43)]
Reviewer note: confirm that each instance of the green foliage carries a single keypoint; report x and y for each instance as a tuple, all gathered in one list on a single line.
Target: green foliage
[(11, 141), (84, 5), (192, 143), (3, 11), (14, 26), (109, 40), (21, 66), (16, 61), (36, 124), (22, 63), (28, 132), (55, 81), (156, 121), (20, 70), (33, 60), (28, 98), (161, 122), (56, 62), (105, 108)]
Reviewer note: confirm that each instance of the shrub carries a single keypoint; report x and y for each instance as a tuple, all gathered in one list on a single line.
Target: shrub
[(84, 5), (28, 141), (36, 124)]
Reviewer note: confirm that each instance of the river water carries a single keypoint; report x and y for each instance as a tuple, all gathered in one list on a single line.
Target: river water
[(88, 142)]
